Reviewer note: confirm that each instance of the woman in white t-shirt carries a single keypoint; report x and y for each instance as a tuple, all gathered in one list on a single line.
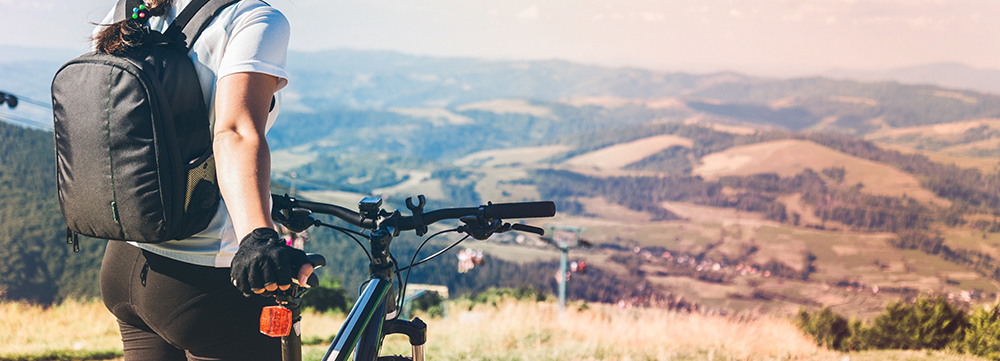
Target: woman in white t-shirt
[(176, 300)]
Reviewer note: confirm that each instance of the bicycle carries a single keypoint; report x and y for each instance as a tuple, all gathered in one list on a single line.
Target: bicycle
[(378, 299)]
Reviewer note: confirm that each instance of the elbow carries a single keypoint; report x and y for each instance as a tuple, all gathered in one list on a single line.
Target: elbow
[(227, 139)]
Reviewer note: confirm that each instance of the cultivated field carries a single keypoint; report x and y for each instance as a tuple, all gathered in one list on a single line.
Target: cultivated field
[(789, 157), (502, 106), (985, 165), (506, 157), (967, 139), (620, 155)]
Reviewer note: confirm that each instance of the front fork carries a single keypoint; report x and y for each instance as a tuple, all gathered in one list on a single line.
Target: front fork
[(383, 268), (416, 330)]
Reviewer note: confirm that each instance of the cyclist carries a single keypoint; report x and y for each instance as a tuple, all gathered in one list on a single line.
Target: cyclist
[(176, 300)]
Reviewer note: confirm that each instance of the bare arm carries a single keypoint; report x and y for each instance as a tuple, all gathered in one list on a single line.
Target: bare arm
[(242, 158)]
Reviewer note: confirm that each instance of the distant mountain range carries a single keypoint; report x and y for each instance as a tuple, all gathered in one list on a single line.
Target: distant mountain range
[(949, 75), (338, 79)]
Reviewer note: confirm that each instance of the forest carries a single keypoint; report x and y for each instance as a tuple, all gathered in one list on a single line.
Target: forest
[(36, 264)]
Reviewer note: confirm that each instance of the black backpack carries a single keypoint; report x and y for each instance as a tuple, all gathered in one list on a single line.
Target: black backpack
[(133, 141)]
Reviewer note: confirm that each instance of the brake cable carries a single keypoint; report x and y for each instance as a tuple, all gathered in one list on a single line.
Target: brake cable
[(349, 232), (412, 264)]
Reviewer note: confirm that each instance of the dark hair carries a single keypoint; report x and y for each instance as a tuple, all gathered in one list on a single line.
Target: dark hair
[(119, 37)]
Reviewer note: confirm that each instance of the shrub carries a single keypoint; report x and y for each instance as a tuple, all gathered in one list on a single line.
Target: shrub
[(492, 296), (928, 323), (981, 336), (430, 303), (924, 324), (328, 296), (827, 328)]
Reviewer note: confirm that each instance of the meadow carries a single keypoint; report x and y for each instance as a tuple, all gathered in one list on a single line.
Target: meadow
[(506, 330)]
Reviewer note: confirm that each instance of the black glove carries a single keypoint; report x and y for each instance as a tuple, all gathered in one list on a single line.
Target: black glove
[(264, 258)]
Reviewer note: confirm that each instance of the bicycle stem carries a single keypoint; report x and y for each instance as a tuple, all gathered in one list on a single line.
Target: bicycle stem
[(382, 265)]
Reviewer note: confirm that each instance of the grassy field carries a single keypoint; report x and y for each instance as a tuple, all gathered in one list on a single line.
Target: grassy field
[(511, 330), (620, 155), (789, 157), (944, 143)]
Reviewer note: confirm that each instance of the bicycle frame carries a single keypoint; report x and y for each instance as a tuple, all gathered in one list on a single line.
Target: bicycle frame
[(370, 305), (366, 325)]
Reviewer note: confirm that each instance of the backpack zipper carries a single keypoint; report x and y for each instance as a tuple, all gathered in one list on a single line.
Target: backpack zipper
[(111, 163)]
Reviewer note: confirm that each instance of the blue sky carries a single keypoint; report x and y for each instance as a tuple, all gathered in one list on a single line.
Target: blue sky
[(774, 37)]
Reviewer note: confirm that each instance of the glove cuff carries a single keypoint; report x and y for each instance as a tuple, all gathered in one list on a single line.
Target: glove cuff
[(262, 233)]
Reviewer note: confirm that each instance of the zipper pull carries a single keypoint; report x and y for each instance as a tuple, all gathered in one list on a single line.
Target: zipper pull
[(74, 239)]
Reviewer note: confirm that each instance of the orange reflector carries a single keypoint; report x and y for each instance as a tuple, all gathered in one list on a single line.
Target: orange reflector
[(275, 321)]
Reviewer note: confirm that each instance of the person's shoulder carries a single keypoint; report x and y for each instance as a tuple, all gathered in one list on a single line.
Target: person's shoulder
[(257, 7), (257, 10)]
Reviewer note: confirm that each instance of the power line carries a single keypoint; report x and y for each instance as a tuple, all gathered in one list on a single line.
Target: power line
[(27, 122), (288, 178), (46, 105)]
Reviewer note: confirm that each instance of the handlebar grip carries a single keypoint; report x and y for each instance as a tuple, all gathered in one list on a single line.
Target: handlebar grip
[(520, 210)]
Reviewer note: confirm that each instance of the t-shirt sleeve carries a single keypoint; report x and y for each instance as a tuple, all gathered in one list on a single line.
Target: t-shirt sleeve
[(258, 44)]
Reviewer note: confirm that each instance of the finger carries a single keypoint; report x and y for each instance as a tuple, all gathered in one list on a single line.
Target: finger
[(270, 287), (299, 260), (285, 287), (267, 271), (283, 271), (239, 279), (255, 276), (304, 272)]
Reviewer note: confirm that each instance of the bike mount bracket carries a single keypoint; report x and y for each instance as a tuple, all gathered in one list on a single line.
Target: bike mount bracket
[(418, 212)]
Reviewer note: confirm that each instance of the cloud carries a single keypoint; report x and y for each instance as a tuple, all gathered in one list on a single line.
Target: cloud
[(734, 12), (653, 17), (796, 17), (530, 13)]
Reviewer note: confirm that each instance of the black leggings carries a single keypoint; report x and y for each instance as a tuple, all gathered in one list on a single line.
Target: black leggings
[(170, 310)]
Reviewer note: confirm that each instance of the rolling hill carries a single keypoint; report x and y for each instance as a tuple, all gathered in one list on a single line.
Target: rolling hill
[(730, 192)]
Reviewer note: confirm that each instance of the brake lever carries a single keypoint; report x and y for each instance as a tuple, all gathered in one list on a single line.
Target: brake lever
[(526, 228), (294, 218), (478, 229)]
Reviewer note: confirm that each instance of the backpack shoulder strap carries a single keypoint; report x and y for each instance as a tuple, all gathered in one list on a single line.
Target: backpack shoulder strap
[(195, 17), (190, 22)]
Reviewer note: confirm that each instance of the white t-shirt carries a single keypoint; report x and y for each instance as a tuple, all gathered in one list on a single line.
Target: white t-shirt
[(247, 37)]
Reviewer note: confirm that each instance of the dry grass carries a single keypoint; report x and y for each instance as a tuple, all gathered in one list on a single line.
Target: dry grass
[(532, 331), (510, 330), (27, 329)]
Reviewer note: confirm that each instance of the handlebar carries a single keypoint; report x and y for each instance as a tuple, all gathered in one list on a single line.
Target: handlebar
[(403, 223)]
